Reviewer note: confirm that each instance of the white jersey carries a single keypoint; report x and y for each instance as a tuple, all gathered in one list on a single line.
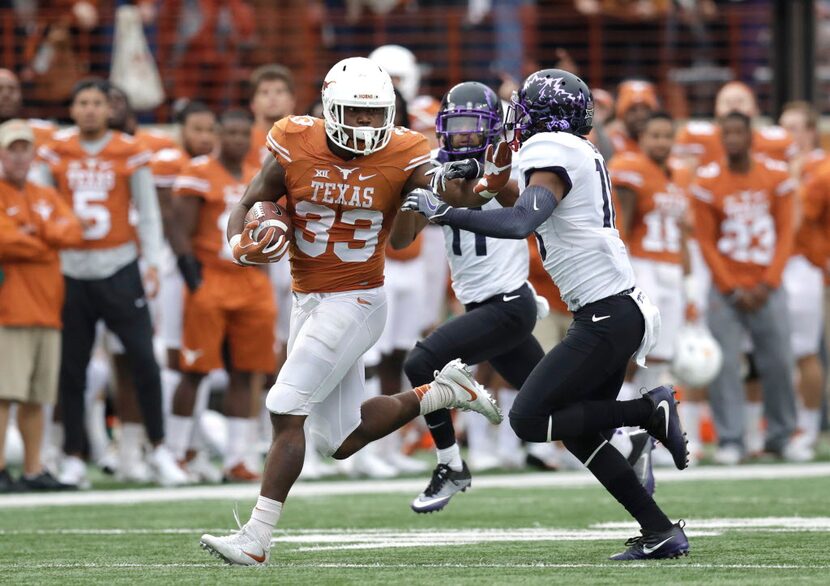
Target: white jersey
[(580, 246), (482, 267)]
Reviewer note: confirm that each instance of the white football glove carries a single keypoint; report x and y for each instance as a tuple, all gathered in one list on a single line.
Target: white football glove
[(426, 203)]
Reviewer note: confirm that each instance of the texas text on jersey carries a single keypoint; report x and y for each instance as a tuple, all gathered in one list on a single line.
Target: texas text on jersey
[(342, 211)]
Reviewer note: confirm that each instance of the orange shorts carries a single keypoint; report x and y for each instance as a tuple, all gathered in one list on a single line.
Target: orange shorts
[(236, 305)]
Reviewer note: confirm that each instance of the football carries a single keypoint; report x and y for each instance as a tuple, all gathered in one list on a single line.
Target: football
[(270, 215)]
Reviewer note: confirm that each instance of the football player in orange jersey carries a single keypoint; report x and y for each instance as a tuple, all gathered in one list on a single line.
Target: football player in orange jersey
[(224, 301), (700, 143), (804, 273), (273, 99), (653, 191), (101, 173), (344, 179), (743, 211), (636, 101)]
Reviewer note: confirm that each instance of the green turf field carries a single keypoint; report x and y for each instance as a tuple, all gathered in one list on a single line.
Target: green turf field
[(742, 532)]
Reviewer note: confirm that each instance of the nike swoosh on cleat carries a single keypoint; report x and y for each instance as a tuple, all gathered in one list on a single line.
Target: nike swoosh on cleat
[(664, 405), (647, 550), (510, 297), (257, 558), (473, 396)]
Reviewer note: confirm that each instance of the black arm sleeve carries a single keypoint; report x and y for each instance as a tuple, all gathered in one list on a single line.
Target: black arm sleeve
[(534, 206)]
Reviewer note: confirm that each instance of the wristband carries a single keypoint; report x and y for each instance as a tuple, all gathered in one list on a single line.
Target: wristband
[(234, 241)]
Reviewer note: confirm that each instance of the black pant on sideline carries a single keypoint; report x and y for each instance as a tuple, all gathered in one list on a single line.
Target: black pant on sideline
[(118, 300), (493, 330)]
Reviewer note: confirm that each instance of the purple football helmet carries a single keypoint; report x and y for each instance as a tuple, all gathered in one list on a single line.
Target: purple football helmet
[(550, 100), (470, 119)]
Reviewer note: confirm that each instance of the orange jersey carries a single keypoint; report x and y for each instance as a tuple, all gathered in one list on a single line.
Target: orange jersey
[(97, 187), (205, 177), (155, 140), (342, 211), (166, 165), (258, 152), (32, 290), (744, 222), (703, 141), (42, 129), (813, 237), (660, 205)]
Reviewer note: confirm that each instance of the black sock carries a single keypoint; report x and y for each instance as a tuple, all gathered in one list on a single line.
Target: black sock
[(441, 428), (616, 475), (591, 417)]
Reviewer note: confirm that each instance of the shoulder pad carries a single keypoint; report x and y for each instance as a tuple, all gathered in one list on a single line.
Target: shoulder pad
[(168, 154), (65, 134)]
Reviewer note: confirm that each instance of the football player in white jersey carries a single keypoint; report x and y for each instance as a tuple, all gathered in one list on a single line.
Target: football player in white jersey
[(489, 277), (565, 198)]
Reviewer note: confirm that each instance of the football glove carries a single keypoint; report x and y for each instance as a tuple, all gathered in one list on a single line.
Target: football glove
[(497, 163), (248, 252), (464, 169), (426, 203)]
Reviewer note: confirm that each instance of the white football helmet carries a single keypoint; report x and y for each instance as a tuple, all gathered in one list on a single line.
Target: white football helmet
[(697, 356), (400, 62), (358, 82)]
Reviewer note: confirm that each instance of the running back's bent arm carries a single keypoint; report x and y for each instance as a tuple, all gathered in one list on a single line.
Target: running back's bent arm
[(267, 185)]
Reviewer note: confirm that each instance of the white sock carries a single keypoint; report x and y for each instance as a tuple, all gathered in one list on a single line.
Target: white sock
[(253, 458), (96, 428), (690, 415), (809, 422), (130, 442), (169, 383), (509, 444), (237, 441), (434, 396), (178, 435), (451, 456), (264, 518), (753, 414), (479, 434)]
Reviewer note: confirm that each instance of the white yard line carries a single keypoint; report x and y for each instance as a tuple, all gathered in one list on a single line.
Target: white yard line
[(631, 566), (412, 486)]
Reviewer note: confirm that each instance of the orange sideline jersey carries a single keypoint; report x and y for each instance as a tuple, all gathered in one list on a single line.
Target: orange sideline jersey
[(660, 205), (42, 129), (155, 140), (205, 177), (813, 236), (32, 290), (97, 187), (703, 141), (258, 153), (342, 211), (411, 252), (166, 165), (744, 222)]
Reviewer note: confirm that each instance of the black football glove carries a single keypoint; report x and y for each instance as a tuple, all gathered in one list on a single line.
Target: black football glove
[(464, 169), (191, 270)]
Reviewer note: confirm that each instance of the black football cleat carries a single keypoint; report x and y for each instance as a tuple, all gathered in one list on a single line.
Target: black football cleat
[(445, 483), (656, 545), (665, 426)]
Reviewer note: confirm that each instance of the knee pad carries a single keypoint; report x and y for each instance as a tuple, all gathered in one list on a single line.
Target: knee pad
[(419, 366), (530, 428)]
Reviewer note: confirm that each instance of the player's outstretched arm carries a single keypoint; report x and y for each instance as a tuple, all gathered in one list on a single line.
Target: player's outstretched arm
[(405, 229), (535, 205), (267, 185)]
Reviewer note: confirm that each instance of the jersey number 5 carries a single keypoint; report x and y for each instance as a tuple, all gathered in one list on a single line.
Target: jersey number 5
[(319, 222)]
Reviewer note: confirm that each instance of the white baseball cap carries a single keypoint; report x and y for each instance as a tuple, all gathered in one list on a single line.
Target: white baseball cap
[(14, 130)]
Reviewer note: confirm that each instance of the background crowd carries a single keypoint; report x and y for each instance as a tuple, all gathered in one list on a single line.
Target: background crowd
[(726, 218)]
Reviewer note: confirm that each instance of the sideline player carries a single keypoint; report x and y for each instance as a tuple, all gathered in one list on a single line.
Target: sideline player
[(343, 178), (571, 395)]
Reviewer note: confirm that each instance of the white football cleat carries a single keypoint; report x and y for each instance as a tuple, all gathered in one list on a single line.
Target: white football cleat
[(135, 471), (201, 469), (469, 394), (241, 548), (73, 472), (166, 469)]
